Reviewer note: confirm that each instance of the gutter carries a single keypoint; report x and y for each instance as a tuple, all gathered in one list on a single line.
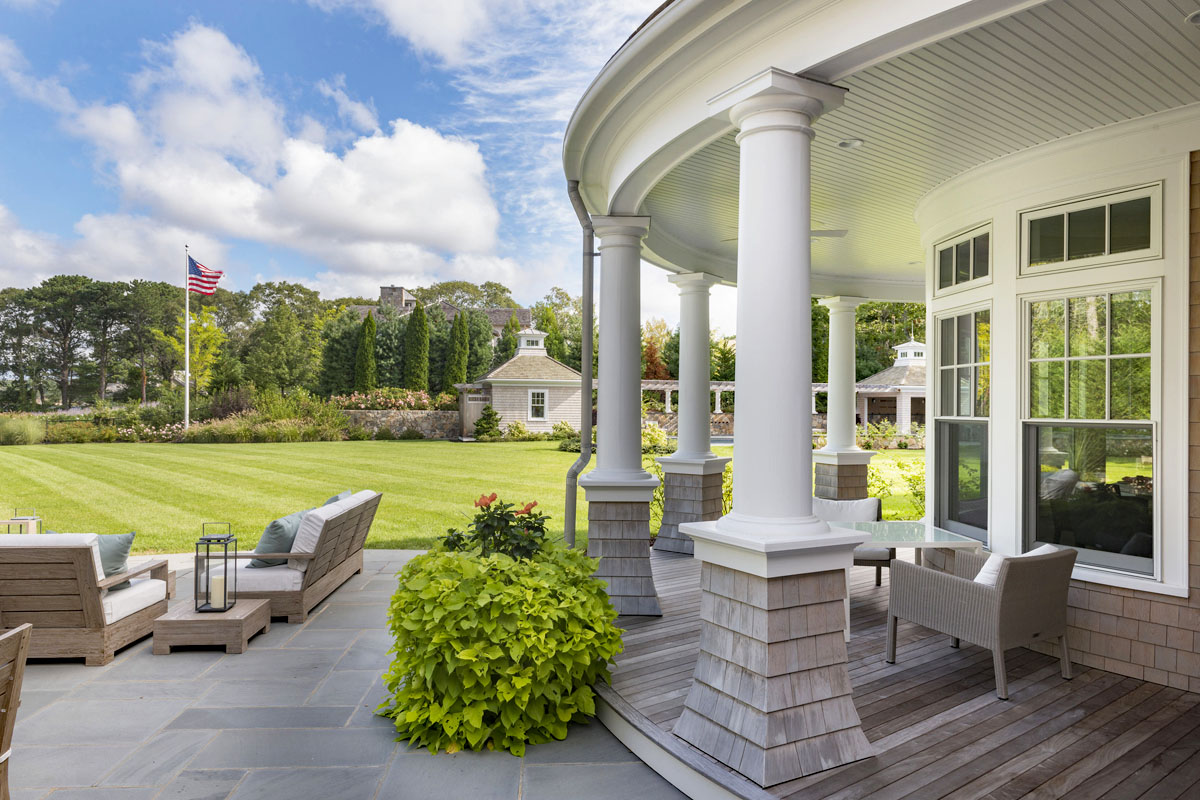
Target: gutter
[(585, 363)]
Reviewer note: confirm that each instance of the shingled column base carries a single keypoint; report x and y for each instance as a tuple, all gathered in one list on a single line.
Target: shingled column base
[(771, 694), (619, 535), (692, 492)]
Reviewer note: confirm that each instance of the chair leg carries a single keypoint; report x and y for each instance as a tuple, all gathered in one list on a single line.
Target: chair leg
[(891, 640), (954, 641), (1001, 675), (879, 576), (1064, 656)]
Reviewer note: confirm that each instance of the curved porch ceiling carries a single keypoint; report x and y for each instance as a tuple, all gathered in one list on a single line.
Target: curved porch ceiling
[(1041, 74)]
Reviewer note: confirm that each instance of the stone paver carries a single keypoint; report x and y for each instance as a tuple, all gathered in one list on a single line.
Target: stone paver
[(293, 718)]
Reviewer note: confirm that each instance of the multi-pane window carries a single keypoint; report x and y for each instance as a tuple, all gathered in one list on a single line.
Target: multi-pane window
[(964, 369), (964, 259), (537, 404), (1115, 227), (964, 403), (1090, 472)]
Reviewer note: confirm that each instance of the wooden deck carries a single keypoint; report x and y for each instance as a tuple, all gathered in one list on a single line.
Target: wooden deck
[(939, 728)]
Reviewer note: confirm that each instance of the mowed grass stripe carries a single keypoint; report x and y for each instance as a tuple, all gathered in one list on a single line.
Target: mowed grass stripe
[(166, 491)]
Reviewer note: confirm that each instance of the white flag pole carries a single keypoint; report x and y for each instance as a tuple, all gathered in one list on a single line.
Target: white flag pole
[(187, 342)]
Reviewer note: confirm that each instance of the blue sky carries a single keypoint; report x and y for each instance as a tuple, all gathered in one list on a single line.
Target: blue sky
[(342, 143)]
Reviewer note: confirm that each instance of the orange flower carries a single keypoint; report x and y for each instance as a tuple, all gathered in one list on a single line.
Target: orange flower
[(528, 508), (484, 500)]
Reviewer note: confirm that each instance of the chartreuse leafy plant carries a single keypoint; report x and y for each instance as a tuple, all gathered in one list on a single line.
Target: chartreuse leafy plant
[(497, 652)]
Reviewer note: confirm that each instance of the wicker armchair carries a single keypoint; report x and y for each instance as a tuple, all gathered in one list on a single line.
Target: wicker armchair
[(1027, 604), (868, 509)]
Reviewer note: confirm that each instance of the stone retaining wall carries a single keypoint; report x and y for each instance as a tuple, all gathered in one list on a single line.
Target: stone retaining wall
[(432, 424)]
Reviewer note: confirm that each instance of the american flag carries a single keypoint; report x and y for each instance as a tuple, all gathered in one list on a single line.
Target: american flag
[(201, 279)]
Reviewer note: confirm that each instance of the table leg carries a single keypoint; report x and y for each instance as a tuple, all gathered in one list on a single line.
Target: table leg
[(917, 558)]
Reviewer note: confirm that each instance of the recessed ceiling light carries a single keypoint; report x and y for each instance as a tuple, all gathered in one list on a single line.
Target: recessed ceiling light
[(1193, 18), (850, 144)]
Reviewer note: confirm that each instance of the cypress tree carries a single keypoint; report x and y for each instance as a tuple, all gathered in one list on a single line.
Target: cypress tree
[(416, 351), (456, 356), (365, 375), (507, 345)]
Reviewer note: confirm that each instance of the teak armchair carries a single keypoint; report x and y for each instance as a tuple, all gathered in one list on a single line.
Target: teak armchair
[(14, 646)]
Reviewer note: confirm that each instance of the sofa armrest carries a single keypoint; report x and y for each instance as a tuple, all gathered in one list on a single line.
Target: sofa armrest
[(157, 569), (945, 603)]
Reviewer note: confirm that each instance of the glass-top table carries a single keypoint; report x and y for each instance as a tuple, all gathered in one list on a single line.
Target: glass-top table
[(910, 534)]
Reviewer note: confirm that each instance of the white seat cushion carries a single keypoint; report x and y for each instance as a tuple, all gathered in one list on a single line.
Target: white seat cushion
[(58, 540), (266, 579), (142, 592), (314, 522), (865, 510), (989, 573), (868, 553)]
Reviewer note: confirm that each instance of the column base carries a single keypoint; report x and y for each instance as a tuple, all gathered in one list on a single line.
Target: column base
[(841, 475), (771, 697), (692, 492), (619, 535)]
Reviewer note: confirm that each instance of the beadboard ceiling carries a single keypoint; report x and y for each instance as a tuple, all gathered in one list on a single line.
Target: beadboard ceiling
[(1039, 75)]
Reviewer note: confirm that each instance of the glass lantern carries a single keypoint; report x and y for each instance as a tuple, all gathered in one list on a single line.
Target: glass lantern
[(215, 573)]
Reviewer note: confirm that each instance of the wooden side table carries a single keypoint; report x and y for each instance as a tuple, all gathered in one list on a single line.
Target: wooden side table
[(23, 524), (232, 629)]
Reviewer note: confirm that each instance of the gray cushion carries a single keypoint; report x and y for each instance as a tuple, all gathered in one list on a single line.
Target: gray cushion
[(277, 538), (114, 554), (338, 497), (869, 553), (865, 510)]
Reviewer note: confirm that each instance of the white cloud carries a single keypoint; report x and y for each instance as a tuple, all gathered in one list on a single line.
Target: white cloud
[(25, 5), (442, 28), (360, 115), (203, 145)]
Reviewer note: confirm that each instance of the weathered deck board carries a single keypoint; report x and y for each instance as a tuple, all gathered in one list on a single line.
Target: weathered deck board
[(934, 715)]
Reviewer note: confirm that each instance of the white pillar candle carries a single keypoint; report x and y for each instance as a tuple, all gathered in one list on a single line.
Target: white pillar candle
[(216, 591)]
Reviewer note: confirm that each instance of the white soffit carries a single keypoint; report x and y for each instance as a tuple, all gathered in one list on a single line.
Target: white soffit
[(1041, 74)]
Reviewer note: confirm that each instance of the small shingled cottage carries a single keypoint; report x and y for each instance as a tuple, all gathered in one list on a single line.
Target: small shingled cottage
[(531, 388)]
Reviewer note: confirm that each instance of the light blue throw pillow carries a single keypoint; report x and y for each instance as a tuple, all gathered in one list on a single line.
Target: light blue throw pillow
[(338, 497), (278, 538), (114, 555)]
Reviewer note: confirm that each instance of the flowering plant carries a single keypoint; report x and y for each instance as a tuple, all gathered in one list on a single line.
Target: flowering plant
[(501, 527), (393, 399)]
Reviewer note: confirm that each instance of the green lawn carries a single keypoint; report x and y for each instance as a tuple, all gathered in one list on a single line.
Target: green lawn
[(164, 491)]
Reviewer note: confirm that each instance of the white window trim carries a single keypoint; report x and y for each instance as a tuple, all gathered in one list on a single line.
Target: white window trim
[(956, 239), (933, 381), (1151, 190), (1163, 580), (545, 393)]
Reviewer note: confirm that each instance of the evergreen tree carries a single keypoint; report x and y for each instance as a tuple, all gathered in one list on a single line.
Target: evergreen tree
[(340, 346), (278, 356), (416, 351), (724, 361), (546, 321), (227, 371), (670, 353), (365, 376), (479, 345), (507, 345), (456, 355), (439, 348), (390, 332)]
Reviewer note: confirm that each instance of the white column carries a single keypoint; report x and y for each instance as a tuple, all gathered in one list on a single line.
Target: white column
[(772, 481), (904, 412), (695, 367), (840, 420), (618, 475), (667, 400), (717, 397)]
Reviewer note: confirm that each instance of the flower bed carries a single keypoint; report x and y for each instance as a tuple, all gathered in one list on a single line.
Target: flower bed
[(393, 399)]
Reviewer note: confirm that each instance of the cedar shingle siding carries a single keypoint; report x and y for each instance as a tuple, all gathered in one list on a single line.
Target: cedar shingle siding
[(512, 404)]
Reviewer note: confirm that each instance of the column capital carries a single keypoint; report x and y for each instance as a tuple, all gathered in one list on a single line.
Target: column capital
[(842, 303), (688, 282), (774, 89), (605, 226)]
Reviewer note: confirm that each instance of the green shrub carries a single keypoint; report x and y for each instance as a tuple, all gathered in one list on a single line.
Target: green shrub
[(70, 433), (655, 441), (562, 430), (516, 431), (22, 430), (384, 434), (488, 423), (357, 433), (410, 433), (500, 527), (492, 652)]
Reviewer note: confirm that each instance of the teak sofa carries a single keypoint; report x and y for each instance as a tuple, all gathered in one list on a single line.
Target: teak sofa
[(14, 646), (328, 549), (57, 584)]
